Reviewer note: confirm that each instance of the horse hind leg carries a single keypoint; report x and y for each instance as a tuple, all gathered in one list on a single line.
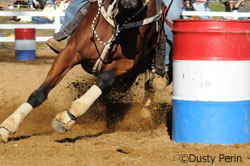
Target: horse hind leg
[(62, 64), (64, 121)]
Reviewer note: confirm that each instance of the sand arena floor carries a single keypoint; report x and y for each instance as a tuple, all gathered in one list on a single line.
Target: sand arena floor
[(108, 134)]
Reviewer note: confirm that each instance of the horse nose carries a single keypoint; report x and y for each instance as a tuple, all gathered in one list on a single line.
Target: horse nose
[(129, 4), (134, 3)]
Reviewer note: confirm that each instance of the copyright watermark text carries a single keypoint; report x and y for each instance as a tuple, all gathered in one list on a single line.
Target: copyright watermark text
[(189, 158)]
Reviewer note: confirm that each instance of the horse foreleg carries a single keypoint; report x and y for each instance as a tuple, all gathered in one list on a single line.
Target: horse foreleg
[(10, 125), (64, 121), (62, 64)]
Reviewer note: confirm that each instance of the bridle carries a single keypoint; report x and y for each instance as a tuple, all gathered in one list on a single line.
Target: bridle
[(110, 18)]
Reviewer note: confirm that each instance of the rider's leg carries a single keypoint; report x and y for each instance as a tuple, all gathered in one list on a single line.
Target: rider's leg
[(173, 13), (72, 9), (72, 17)]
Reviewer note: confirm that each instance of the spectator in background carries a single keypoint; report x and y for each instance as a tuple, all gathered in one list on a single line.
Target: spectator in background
[(35, 1), (61, 6), (200, 5), (65, 3), (47, 19), (229, 6), (241, 5), (187, 6), (207, 4), (31, 4), (51, 1)]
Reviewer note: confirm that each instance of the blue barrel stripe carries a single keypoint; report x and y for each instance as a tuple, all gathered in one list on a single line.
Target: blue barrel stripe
[(25, 54), (211, 122)]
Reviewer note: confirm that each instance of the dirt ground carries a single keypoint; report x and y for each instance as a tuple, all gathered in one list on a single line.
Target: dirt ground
[(112, 132)]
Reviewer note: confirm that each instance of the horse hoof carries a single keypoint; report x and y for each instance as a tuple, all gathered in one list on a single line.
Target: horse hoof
[(58, 126), (4, 134), (145, 113), (159, 83)]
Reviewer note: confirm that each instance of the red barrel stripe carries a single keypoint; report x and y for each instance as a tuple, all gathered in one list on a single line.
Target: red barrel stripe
[(25, 34), (215, 39)]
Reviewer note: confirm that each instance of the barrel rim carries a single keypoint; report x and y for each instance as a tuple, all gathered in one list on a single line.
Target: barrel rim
[(25, 29), (210, 20)]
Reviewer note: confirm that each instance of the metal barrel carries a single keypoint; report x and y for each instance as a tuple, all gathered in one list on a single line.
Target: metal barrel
[(211, 81), (25, 44)]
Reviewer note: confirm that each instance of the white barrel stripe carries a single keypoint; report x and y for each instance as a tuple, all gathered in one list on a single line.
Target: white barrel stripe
[(211, 80), (25, 45), (235, 99)]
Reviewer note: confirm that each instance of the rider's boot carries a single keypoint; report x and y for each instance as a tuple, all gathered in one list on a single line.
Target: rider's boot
[(55, 45), (59, 41)]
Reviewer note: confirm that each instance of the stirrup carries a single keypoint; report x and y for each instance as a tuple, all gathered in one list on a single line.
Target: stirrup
[(60, 35)]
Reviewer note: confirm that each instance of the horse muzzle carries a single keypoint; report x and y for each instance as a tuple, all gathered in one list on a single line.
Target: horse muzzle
[(129, 4)]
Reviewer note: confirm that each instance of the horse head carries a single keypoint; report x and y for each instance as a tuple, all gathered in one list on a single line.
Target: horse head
[(122, 10), (128, 4)]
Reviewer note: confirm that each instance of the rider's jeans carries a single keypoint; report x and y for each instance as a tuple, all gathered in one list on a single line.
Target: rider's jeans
[(71, 11), (173, 13)]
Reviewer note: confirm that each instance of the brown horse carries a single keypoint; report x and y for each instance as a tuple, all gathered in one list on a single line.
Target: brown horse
[(127, 53)]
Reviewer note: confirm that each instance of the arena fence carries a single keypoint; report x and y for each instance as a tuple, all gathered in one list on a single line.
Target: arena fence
[(56, 25), (226, 15)]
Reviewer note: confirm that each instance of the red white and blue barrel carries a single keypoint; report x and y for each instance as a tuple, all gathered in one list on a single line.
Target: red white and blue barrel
[(25, 44), (211, 81)]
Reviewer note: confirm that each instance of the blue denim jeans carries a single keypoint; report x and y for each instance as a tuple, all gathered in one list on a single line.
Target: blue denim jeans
[(173, 13), (41, 20), (71, 11), (52, 2), (30, 2), (206, 17)]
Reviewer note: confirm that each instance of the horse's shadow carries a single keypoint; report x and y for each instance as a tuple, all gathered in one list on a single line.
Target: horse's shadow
[(73, 140), (169, 122), (113, 117), (24, 137), (19, 138)]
